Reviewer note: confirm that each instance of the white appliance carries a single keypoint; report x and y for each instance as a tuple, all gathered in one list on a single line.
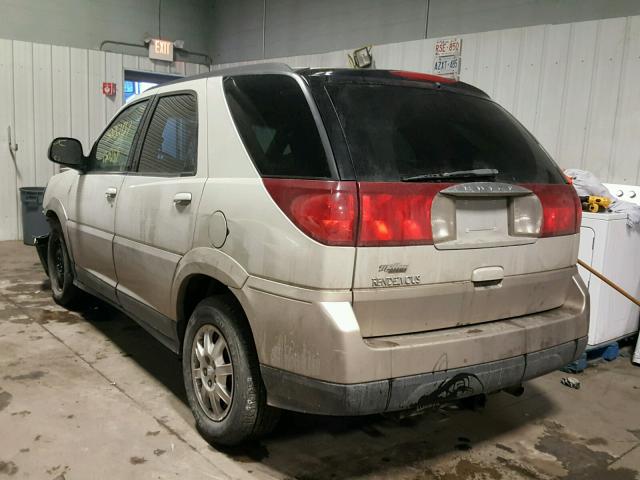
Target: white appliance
[(612, 248), (628, 193)]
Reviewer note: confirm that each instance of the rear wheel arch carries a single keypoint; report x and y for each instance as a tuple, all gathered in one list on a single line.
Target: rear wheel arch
[(203, 272), (193, 289)]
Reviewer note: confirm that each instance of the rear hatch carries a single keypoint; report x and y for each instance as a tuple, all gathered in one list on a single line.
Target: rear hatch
[(463, 217)]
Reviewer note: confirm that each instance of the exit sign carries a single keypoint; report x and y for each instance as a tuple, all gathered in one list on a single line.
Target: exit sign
[(161, 50)]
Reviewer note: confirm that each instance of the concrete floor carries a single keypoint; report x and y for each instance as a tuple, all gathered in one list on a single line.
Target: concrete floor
[(92, 395)]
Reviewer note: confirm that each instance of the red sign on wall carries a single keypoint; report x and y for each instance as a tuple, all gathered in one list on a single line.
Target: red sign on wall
[(108, 89)]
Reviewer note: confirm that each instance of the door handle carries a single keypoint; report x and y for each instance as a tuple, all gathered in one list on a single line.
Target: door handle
[(110, 192), (182, 198)]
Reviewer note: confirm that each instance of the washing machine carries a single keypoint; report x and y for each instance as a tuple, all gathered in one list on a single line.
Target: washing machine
[(611, 247)]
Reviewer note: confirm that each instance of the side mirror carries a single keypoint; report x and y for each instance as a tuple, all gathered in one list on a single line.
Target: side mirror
[(68, 152)]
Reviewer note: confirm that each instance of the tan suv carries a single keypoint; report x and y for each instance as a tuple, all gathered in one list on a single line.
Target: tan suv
[(337, 242)]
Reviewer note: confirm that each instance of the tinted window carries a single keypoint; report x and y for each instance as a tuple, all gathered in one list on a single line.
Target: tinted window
[(113, 149), (397, 131), (276, 126), (171, 142)]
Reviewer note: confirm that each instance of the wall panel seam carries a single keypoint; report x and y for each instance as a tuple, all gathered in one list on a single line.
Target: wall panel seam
[(594, 67), (33, 113), (623, 64), (563, 104), (541, 73)]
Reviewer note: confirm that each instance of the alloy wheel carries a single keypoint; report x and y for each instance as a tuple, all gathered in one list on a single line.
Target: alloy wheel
[(212, 372)]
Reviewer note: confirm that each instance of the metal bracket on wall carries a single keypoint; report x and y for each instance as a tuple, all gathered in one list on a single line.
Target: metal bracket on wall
[(208, 60), (13, 147)]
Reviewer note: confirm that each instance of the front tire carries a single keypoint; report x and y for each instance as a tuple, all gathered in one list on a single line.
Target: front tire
[(222, 374), (64, 292)]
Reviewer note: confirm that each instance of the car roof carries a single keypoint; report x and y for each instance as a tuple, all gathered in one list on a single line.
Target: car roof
[(335, 74)]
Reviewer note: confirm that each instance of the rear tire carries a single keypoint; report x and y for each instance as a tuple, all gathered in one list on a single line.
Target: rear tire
[(222, 375), (64, 292)]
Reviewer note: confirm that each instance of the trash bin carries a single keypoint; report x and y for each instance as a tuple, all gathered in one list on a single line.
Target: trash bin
[(34, 223)]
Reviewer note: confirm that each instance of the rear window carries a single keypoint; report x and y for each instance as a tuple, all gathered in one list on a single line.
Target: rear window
[(395, 132), (276, 125)]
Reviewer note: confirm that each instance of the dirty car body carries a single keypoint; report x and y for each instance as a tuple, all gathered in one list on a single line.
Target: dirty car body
[(394, 240)]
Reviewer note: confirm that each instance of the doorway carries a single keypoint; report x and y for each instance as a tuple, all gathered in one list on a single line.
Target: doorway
[(137, 82)]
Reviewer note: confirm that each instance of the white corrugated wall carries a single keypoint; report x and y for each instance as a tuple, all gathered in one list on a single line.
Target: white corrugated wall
[(575, 86), (48, 91)]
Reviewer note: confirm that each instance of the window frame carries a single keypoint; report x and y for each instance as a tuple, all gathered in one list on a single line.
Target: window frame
[(135, 164), (315, 113), (134, 143)]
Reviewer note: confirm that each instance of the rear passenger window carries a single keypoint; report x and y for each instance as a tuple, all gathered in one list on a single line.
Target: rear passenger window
[(276, 126), (171, 142)]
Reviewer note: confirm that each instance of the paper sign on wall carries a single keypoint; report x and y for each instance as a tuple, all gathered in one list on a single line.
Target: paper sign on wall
[(448, 46), (446, 60), (449, 65)]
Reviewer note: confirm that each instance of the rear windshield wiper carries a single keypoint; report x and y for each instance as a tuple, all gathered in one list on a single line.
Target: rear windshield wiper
[(477, 173)]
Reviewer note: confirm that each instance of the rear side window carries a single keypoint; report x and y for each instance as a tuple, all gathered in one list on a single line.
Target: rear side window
[(395, 132), (112, 150), (277, 126), (171, 142)]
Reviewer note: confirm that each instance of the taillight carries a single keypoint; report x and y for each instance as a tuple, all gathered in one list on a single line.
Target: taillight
[(324, 210), (561, 209), (396, 213)]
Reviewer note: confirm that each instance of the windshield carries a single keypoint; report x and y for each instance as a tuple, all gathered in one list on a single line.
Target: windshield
[(396, 132)]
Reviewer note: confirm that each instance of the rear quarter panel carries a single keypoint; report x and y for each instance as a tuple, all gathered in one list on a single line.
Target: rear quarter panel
[(260, 237)]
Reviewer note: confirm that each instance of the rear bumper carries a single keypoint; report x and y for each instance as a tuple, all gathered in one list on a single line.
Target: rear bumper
[(303, 394), (315, 334)]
